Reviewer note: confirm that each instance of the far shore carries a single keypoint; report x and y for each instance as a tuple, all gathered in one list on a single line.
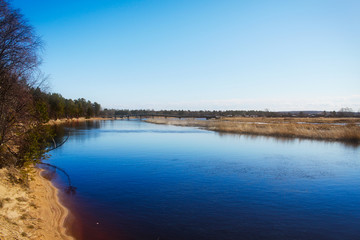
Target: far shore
[(333, 129), (80, 119), (32, 212)]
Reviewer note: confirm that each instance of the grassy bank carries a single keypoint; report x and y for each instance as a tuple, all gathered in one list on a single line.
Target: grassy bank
[(337, 129)]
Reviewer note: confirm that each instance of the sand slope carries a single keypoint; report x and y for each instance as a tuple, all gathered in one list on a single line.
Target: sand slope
[(31, 213)]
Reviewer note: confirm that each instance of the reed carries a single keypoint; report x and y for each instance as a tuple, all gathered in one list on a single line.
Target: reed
[(294, 127)]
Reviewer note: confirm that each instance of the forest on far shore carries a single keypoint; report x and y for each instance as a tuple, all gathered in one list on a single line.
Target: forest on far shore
[(56, 106)]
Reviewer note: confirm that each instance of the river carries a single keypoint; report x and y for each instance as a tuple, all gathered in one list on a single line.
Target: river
[(137, 180)]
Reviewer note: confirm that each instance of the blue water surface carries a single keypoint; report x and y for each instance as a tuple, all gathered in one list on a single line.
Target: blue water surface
[(137, 180)]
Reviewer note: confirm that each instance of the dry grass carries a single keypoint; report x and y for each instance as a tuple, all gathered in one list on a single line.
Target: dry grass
[(70, 120), (280, 127), (293, 120)]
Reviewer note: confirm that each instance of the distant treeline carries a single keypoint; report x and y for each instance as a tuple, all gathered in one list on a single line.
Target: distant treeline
[(56, 106), (345, 112)]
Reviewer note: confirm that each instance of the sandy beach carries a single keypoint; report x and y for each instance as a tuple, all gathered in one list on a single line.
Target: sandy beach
[(31, 213)]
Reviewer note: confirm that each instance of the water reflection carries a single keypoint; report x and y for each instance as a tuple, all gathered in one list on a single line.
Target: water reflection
[(62, 131), (84, 125)]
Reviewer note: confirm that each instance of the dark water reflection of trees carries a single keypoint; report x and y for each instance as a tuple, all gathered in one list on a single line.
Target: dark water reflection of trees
[(63, 131)]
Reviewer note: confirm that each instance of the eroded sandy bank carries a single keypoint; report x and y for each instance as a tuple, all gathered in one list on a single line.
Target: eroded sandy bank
[(31, 213)]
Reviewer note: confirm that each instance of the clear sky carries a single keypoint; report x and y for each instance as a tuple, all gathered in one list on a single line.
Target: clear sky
[(202, 54)]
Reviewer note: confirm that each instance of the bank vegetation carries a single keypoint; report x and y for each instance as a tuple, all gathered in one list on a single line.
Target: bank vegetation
[(337, 129), (24, 104)]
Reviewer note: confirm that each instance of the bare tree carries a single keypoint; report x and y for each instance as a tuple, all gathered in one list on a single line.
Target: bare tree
[(19, 59), (19, 45)]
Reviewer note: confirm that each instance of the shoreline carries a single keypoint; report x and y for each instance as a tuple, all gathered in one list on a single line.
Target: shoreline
[(70, 120), (33, 212), (58, 211), (341, 130)]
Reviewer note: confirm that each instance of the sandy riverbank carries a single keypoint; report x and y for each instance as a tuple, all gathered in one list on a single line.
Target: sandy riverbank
[(81, 119), (31, 213)]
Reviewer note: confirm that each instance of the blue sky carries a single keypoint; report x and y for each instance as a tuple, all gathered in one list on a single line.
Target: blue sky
[(197, 54)]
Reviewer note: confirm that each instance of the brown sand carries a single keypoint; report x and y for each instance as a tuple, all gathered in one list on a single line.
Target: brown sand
[(31, 213)]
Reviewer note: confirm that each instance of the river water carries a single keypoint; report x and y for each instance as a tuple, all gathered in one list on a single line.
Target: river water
[(137, 180)]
